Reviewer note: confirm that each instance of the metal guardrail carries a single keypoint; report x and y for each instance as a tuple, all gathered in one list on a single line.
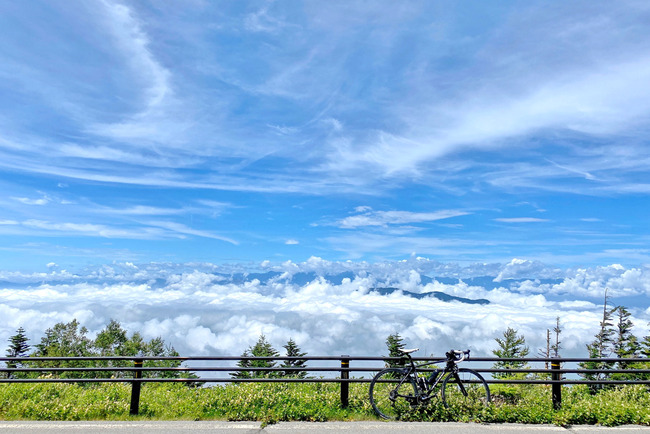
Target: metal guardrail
[(552, 373)]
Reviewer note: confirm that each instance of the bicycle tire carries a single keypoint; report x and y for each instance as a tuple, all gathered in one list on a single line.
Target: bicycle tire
[(392, 393), (466, 388)]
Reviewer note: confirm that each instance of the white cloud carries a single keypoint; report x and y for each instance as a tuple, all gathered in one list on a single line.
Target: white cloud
[(523, 268), (133, 42), (145, 210), (263, 21), (200, 311), (155, 113), (183, 229), (27, 201), (384, 218), (291, 242), (90, 229), (527, 79), (359, 244), (335, 124), (148, 230), (520, 220)]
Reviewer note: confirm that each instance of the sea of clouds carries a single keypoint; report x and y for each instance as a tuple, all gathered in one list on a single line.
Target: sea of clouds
[(328, 308)]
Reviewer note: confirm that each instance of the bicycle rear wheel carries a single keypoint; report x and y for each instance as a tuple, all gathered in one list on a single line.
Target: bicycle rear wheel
[(466, 388), (392, 393)]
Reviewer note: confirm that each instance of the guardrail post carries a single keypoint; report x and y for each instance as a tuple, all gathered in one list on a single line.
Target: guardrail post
[(556, 388), (135, 388), (345, 375)]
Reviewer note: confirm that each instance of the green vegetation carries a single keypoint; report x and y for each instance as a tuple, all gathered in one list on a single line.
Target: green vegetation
[(395, 343), (263, 348), (510, 346), (71, 340), (273, 402), (615, 339), (18, 347), (293, 350)]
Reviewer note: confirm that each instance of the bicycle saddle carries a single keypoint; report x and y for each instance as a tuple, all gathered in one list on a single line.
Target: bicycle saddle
[(412, 350)]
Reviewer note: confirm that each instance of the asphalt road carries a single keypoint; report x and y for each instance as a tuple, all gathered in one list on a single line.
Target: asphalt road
[(165, 427)]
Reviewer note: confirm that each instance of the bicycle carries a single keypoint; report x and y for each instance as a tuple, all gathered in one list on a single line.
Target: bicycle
[(394, 391)]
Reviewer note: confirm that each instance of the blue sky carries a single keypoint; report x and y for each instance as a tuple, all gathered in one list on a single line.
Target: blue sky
[(498, 151), (238, 132)]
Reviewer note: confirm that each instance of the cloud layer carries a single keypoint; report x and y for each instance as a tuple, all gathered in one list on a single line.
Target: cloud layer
[(328, 308)]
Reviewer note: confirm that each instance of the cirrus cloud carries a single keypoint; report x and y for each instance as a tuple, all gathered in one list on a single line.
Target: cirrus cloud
[(386, 218)]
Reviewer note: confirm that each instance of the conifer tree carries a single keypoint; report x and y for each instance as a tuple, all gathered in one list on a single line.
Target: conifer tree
[(511, 346), (644, 351), (243, 363), (293, 350), (602, 344), (395, 343), (555, 348), (262, 348), (625, 344), (18, 347), (645, 347), (600, 348)]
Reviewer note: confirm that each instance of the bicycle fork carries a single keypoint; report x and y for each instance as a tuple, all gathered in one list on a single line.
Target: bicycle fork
[(461, 386)]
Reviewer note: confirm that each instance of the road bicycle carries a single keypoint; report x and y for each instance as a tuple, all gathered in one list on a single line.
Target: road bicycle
[(397, 390)]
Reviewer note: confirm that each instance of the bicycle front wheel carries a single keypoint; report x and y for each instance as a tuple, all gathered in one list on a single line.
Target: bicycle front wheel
[(466, 388), (392, 393)]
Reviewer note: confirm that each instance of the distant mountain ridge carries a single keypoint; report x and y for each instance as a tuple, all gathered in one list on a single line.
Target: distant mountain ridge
[(434, 294)]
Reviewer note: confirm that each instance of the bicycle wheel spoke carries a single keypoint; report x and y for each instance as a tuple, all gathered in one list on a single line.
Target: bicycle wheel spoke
[(391, 395), (465, 388)]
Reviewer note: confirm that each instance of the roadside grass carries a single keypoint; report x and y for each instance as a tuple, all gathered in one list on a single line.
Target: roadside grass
[(274, 402)]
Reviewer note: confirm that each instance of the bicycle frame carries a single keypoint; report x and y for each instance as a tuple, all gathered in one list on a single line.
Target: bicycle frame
[(416, 384), (425, 389)]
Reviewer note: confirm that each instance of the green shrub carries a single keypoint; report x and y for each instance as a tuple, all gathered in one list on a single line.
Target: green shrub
[(274, 402)]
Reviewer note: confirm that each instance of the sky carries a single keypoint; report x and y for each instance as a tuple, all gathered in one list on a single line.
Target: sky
[(260, 134)]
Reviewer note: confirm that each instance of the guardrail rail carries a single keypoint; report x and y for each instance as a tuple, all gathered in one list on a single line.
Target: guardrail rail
[(341, 369)]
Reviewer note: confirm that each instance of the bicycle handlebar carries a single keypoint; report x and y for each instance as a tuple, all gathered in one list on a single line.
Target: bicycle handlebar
[(457, 356)]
